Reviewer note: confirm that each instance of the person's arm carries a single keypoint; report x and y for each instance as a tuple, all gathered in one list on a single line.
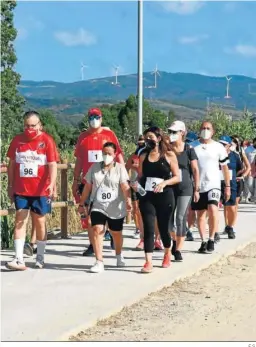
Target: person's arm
[(87, 190), (195, 173), (128, 164), (11, 171), (127, 194), (124, 179), (53, 176), (76, 176), (246, 171), (226, 176), (172, 159)]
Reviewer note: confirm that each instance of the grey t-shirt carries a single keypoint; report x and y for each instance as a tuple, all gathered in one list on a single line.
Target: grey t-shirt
[(107, 196)]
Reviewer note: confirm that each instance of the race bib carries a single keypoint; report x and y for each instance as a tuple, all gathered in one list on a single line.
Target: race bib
[(214, 194), (222, 177), (28, 170), (94, 156), (106, 195), (152, 182)]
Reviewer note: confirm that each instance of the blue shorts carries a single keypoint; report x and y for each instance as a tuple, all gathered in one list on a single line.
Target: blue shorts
[(232, 200), (38, 204)]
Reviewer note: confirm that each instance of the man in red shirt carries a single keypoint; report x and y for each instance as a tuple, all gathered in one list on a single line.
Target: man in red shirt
[(88, 151), (32, 173)]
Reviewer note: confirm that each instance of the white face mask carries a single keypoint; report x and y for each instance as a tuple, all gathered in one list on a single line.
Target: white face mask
[(107, 159), (206, 134), (174, 137), (95, 123)]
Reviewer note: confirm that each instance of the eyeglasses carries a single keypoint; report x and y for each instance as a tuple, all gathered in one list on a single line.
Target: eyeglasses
[(31, 125), (94, 116)]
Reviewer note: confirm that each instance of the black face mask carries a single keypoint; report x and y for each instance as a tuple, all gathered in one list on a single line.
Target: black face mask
[(151, 144)]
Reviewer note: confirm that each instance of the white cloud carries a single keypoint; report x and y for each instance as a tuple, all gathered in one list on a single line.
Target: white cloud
[(182, 7), (22, 33), (80, 38), (188, 40), (248, 51)]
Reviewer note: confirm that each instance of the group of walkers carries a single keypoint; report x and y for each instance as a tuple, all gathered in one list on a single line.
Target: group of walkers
[(173, 180)]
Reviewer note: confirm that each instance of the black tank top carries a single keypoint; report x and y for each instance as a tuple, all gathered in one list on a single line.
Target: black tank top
[(158, 169)]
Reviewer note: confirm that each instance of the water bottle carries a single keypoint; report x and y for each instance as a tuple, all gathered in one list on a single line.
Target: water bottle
[(141, 190)]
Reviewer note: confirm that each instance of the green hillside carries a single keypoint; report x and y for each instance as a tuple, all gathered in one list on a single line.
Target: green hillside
[(173, 89)]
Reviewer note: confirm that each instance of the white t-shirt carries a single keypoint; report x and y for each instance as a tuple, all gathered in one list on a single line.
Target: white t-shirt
[(210, 157)]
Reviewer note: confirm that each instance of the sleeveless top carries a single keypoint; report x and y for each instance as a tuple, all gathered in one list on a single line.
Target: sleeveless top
[(159, 169)]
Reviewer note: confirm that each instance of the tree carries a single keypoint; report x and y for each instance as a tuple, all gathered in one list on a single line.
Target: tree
[(11, 101)]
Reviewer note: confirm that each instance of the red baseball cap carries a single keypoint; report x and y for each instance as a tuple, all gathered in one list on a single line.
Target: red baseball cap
[(95, 111)]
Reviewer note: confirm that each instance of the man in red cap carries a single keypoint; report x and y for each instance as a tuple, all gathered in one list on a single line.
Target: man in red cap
[(88, 151)]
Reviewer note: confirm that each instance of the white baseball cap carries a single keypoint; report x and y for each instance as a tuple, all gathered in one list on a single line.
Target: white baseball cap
[(178, 126)]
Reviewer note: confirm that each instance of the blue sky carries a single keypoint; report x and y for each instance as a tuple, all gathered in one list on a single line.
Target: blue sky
[(213, 38)]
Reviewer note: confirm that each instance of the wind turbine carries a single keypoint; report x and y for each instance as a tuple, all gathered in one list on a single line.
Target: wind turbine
[(82, 70), (116, 74), (156, 73), (228, 79)]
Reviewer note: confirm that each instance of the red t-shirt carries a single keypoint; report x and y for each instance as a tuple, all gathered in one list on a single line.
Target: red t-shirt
[(31, 176), (89, 147)]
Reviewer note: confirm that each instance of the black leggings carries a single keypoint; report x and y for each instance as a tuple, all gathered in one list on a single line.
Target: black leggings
[(160, 206)]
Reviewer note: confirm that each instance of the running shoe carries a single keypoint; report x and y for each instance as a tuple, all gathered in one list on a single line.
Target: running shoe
[(147, 268), (16, 264), (216, 237), (158, 245), (166, 261), (210, 246), (97, 267), (203, 247), (189, 236), (89, 251), (178, 256)]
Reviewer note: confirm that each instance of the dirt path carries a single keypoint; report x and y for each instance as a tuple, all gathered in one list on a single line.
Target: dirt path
[(219, 304)]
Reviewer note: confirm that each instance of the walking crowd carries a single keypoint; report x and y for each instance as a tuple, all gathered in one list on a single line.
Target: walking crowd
[(173, 181)]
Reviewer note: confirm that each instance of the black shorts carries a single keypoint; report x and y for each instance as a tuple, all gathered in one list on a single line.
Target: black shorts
[(212, 197), (134, 195), (98, 218)]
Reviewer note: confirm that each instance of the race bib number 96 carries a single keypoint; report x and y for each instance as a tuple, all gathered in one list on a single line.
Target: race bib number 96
[(28, 170), (214, 194)]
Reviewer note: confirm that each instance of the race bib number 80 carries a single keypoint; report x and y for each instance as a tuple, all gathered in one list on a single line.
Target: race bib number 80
[(106, 195), (28, 170), (214, 194)]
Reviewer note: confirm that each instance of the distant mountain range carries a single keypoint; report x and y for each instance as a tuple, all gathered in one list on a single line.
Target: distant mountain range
[(190, 90)]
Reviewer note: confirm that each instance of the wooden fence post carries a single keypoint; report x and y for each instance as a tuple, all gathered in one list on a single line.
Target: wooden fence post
[(64, 197)]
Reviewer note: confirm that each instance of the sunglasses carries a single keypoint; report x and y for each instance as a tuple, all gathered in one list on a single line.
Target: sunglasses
[(94, 116)]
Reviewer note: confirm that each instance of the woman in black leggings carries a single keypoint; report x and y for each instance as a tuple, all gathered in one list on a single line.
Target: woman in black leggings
[(156, 167)]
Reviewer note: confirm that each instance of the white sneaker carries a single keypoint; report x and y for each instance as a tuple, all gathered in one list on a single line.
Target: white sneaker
[(120, 260), (97, 267), (39, 262), (16, 264)]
